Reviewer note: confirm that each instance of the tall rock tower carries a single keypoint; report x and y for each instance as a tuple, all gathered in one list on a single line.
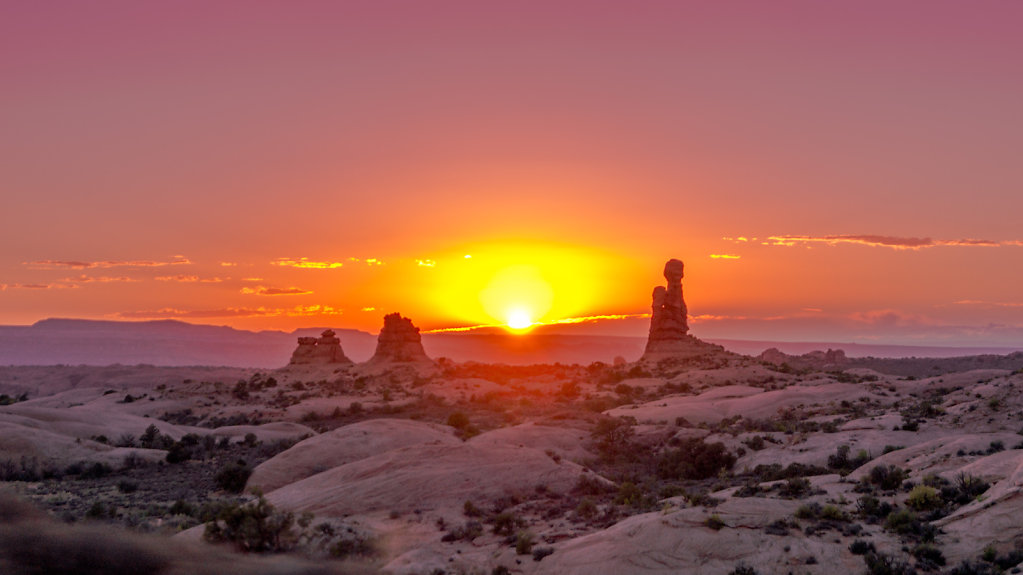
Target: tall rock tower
[(669, 322)]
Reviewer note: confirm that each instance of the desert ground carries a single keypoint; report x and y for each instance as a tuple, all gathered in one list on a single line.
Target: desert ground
[(712, 464)]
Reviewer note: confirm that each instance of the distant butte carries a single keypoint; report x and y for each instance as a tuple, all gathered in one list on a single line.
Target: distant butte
[(322, 350)]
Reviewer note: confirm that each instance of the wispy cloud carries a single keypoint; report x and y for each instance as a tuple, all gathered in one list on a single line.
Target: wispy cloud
[(264, 290), (82, 265), (426, 263), (38, 286), (98, 279), (724, 257), (228, 264), (988, 303), (368, 261), (893, 242), (189, 279), (174, 313), (306, 263)]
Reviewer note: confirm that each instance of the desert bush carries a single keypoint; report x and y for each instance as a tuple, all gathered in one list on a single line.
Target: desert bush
[(795, 488), (257, 527), (613, 435), (924, 498), (743, 569), (872, 508), (458, 420), (470, 510), (586, 509), (127, 486), (861, 547), (524, 543), (929, 555), (590, 485), (887, 477), (467, 532), (505, 523), (881, 564), (233, 476), (694, 459), (540, 552), (715, 522), (842, 463)]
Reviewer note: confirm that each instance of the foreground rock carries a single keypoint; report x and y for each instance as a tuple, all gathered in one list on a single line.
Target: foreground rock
[(345, 445)]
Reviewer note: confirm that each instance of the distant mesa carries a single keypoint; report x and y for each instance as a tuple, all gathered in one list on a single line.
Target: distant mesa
[(319, 350), (399, 342), (669, 321)]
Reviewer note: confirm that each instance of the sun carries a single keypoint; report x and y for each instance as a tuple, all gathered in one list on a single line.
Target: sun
[(518, 296), (519, 319)]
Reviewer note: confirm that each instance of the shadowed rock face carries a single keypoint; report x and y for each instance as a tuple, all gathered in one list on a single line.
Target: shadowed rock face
[(669, 325), (399, 342), (324, 349)]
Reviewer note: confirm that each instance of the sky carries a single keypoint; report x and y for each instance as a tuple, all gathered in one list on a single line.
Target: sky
[(839, 171)]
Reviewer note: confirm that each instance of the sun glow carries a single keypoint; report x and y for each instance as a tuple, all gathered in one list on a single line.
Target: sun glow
[(518, 294), (519, 319)]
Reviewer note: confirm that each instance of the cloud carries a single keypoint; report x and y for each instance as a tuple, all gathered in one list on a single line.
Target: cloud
[(264, 290), (369, 309), (189, 279), (724, 257), (305, 263), (988, 303), (173, 313), (368, 261), (81, 265), (35, 286), (893, 242), (98, 279), (228, 264), (426, 263)]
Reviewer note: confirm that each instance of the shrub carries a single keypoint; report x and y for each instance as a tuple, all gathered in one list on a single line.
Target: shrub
[(540, 552), (743, 569), (458, 420), (694, 459), (887, 477), (924, 498), (505, 523), (256, 527), (881, 564), (929, 554), (233, 476), (861, 547), (715, 522), (524, 543), (586, 509)]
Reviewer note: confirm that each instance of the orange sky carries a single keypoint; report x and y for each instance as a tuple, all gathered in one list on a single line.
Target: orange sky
[(856, 162)]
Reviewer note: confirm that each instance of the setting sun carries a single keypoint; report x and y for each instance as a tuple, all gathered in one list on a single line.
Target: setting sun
[(519, 319)]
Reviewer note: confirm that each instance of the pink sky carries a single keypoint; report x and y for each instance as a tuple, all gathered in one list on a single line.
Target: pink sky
[(866, 152)]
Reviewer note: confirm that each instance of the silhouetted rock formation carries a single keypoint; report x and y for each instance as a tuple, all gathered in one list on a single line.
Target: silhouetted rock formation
[(669, 324), (833, 358), (399, 342), (324, 349)]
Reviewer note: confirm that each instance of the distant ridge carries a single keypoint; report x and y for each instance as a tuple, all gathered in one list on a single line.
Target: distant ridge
[(176, 343)]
